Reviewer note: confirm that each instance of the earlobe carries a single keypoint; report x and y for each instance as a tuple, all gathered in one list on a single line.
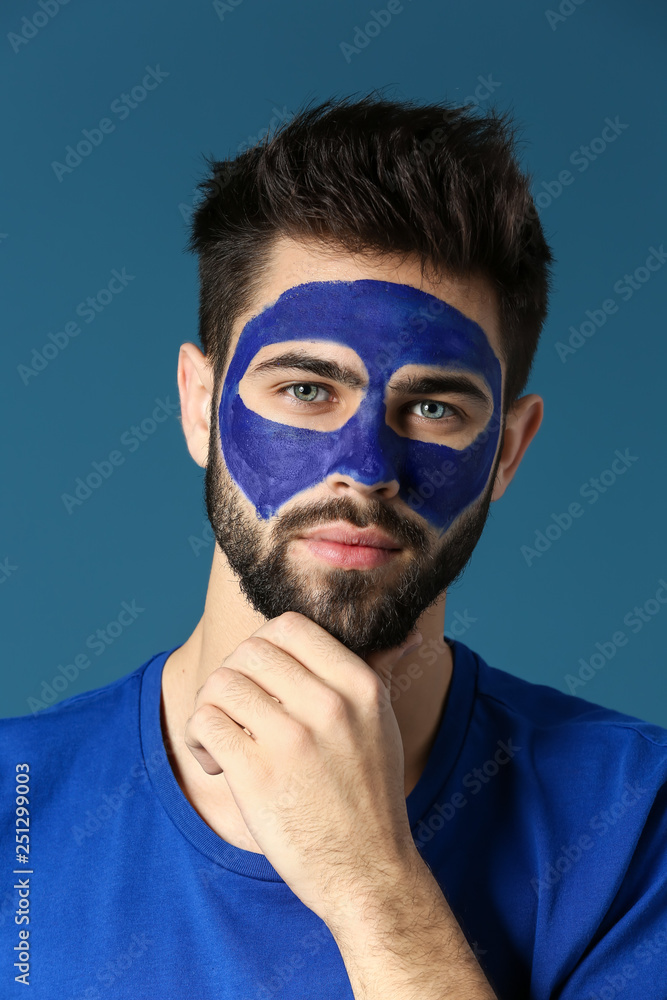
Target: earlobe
[(195, 386), (523, 423)]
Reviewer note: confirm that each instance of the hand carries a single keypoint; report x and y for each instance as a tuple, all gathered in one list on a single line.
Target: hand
[(318, 773)]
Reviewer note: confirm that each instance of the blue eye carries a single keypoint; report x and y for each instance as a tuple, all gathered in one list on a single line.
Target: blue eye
[(432, 403), (307, 385), (431, 409)]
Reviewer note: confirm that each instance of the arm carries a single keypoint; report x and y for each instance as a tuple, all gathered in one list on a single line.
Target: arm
[(404, 943), (319, 781)]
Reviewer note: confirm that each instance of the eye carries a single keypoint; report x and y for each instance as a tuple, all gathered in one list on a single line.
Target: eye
[(431, 409), (305, 394), (308, 389)]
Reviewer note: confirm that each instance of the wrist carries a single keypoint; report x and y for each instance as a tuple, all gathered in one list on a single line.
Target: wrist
[(380, 902)]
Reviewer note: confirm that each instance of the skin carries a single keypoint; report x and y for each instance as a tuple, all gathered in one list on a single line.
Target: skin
[(229, 620)]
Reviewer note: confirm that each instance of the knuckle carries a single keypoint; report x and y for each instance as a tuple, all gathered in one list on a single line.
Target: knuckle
[(371, 690), (224, 674), (204, 723), (290, 622), (333, 705), (255, 642), (227, 681), (291, 618), (257, 651), (296, 734), (205, 715)]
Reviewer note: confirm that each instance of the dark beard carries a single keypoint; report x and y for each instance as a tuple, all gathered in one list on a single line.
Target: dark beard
[(367, 610)]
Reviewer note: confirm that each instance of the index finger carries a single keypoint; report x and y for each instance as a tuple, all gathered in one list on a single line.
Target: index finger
[(315, 648)]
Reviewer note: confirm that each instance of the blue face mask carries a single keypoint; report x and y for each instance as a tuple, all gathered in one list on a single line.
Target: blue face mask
[(388, 325)]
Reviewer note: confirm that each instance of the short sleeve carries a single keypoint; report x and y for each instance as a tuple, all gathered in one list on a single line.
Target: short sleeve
[(627, 956)]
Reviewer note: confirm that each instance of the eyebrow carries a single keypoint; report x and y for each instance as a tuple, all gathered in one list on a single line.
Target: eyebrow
[(316, 366), (418, 385)]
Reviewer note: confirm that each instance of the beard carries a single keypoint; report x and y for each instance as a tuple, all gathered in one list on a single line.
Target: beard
[(367, 610)]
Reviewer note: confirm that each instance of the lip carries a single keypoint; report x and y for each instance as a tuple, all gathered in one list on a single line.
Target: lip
[(347, 534), (342, 544)]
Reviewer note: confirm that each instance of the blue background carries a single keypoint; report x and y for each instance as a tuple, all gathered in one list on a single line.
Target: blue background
[(232, 74)]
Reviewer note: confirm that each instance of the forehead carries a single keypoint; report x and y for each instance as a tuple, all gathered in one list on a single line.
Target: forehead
[(293, 263), (388, 324)]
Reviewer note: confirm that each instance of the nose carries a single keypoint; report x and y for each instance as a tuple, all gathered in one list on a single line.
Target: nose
[(371, 455), (339, 483)]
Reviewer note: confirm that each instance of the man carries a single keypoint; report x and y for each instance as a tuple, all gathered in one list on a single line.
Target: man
[(316, 795)]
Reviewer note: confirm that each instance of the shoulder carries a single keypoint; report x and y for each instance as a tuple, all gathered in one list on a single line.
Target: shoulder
[(568, 734), (548, 707)]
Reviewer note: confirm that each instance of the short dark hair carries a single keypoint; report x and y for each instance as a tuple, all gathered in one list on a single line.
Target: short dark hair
[(372, 176)]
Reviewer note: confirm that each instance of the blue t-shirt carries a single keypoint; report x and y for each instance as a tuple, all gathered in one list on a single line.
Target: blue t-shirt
[(542, 816)]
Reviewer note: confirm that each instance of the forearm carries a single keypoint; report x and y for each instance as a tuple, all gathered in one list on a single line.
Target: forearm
[(405, 944)]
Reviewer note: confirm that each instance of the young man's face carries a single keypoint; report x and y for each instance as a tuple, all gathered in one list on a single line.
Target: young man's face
[(355, 392)]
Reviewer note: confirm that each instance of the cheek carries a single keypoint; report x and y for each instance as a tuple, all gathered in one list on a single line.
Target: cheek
[(442, 482), (270, 462)]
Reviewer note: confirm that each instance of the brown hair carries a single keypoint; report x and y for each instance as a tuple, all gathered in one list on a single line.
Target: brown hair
[(375, 176)]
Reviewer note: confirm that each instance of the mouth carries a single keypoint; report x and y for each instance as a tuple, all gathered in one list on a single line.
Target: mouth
[(344, 545)]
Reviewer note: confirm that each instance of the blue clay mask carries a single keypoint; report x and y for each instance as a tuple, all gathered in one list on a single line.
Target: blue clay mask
[(388, 325)]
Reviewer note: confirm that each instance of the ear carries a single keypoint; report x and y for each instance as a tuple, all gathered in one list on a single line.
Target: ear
[(523, 422), (195, 386)]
